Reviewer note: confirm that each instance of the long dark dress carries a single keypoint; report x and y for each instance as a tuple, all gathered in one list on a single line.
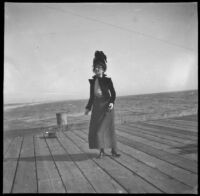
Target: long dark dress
[(102, 127)]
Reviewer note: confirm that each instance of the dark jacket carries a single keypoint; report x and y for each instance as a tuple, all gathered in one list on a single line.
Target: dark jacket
[(107, 89)]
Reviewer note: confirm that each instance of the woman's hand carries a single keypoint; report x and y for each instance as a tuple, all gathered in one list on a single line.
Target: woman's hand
[(110, 107), (87, 111)]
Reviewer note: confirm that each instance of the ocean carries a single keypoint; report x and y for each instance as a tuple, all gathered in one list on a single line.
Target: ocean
[(130, 108)]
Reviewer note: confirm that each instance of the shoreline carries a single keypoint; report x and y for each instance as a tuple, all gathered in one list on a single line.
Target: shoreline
[(8, 107)]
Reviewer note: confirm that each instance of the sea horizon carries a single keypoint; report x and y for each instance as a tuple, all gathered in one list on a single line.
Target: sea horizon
[(15, 104), (127, 108)]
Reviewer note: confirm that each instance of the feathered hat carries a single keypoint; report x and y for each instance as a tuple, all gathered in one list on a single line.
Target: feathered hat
[(100, 59)]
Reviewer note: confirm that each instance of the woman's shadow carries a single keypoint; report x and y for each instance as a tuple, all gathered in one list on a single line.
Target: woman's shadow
[(66, 157), (57, 157)]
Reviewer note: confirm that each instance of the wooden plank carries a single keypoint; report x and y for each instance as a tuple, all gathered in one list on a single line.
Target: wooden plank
[(189, 151), (166, 156), (175, 149), (177, 126), (138, 167), (140, 133), (10, 164), (152, 175), (6, 144), (153, 144), (168, 131), (155, 130), (174, 130), (181, 124), (25, 181), (189, 118), (49, 180), (173, 171), (193, 124), (162, 180), (101, 181), (129, 179), (150, 131), (73, 179), (191, 156)]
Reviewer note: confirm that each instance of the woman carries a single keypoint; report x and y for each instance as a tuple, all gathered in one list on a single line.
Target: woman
[(101, 102)]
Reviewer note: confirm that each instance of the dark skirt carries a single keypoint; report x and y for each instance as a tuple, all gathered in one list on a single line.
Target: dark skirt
[(102, 127)]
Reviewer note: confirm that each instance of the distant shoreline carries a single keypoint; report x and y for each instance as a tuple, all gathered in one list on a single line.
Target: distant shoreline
[(18, 105)]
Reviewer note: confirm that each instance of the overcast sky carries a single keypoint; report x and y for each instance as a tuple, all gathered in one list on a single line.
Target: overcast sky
[(49, 48)]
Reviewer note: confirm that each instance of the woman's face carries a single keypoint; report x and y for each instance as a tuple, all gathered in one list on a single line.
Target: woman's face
[(99, 70)]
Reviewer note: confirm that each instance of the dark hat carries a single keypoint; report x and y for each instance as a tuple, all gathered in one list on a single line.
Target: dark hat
[(99, 59)]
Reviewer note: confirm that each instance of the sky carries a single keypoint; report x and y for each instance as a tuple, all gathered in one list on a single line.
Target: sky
[(49, 48)]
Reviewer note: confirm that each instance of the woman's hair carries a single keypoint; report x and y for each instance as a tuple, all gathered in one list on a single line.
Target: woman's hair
[(100, 59)]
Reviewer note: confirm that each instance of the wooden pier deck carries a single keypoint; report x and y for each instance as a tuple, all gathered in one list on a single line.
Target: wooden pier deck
[(157, 156)]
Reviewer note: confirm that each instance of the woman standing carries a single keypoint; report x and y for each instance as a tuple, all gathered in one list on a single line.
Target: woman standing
[(101, 102)]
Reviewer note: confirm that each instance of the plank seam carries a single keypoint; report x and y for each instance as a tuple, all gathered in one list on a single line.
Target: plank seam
[(155, 145), (162, 136), (8, 146), (146, 137), (35, 164), (178, 127), (76, 165), (118, 163), (125, 167), (180, 133), (99, 166), (155, 130), (17, 165), (159, 158), (181, 122), (160, 149), (156, 169), (166, 126), (138, 150), (154, 155), (56, 166)]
